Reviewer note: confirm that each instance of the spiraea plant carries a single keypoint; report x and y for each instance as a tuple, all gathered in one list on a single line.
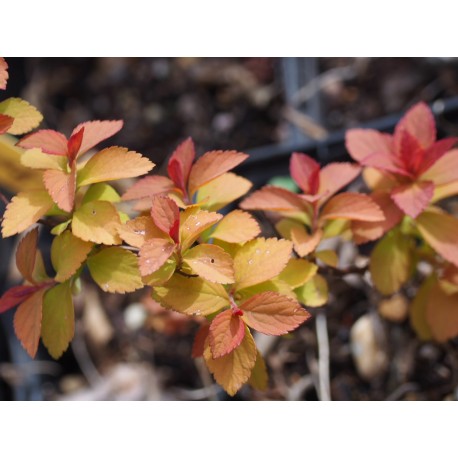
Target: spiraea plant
[(172, 235)]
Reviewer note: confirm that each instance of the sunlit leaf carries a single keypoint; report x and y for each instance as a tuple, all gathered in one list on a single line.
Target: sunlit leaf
[(97, 222), (192, 296), (61, 187), (68, 254), (162, 275), (113, 163), (148, 187), (74, 144), (5, 123), (180, 163), (26, 117), (335, 176), (153, 255), (24, 210), (3, 73), (101, 191), (58, 326), (193, 222), (260, 260), (259, 378), (354, 206), (49, 141), (210, 262), (305, 243), (305, 171), (237, 227), (115, 270), (413, 198), (275, 285), (227, 331), (166, 216), (297, 272), (95, 132), (328, 257), (361, 143), (233, 370), (314, 293), (274, 199), (35, 159)]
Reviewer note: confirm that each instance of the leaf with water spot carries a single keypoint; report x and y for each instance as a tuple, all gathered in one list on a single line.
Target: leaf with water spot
[(210, 262), (260, 260), (58, 325), (139, 230), (97, 222), (237, 227), (193, 222), (115, 270), (227, 331), (192, 296), (161, 275), (68, 254), (314, 293), (234, 369), (26, 117), (153, 255)]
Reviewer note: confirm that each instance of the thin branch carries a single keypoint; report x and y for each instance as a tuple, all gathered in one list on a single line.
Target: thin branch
[(184, 274), (336, 272), (323, 357)]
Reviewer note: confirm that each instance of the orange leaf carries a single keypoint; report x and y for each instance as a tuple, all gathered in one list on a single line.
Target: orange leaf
[(440, 230), (211, 165), (95, 132), (305, 171), (210, 262), (227, 331), (260, 260), (3, 73), (139, 230), (335, 176), (15, 296), (222, 191), (413, 198), (198, 346), (26, 255), (24, 210), (361, 143), (274, 199), (237, 227), (49, 141), (353, 206), (97, 222), (273, 314), (303, 242), (113, 163), (148, 187), (180, 163), (234, 369), (379, 180), (166, 216), (153, 255), (27, 322), (61, 187), (5, 123), (193, 222)]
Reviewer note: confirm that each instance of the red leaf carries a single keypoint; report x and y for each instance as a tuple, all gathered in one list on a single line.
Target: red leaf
[(435, 152), (15, 296), (61, 187), (361, 143), (180, 164), (148, 187), (227, 331), (305, 171), (411, 152), (27, 322), (273, 314), (26, 255), (353, 206), (5, 123), (166, 216), (335, 176), (3, 73), (413, 198), (274, 199), (198, 347), (95, 132), (385, 162), (153, 255), (74, 145), (49, 141), (419, 122)]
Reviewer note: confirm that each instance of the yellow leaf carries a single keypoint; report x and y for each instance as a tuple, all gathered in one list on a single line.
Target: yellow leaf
[(68, 254), (233, 370), (58, 326), (260, 260), (193, 222), (210, 262), (24, 210), (97, 222), (237, 227), (35, 159), (222, 191), (328, 257), (139, 230), (314, 293), (26, 117), (192, 296), (113, 163), (101, 191), (275, 285), (162, 275), (259, 378), (418, 318), (297, 272), (115, 270)]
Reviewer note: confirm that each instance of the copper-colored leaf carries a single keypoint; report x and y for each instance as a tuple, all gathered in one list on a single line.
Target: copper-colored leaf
[(211, 165), (15, 296), (361, 143), (5, 123), (210, 262), (305, 171), (27, 322), (113, 163), (68, 254), (166, 216), (58, 325), (303, 242), (260, 260), (24, 210), (273, 314), (61, 187), (335, 176), (97, 222), (26, 117), (95, 132), (74, 145), (192, 296), (3, 73), (193, 222), (237, 227), (354, 206), (227, 331), (233, 370), (274, 199), (49, 141), (148, 187), (153, 254), (139, 230), (180, 163), (413, 198), (26, 255)]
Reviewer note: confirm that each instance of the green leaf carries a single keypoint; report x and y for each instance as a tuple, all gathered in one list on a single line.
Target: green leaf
[(58, 325), (297, 272), (103, 192), (314, 293)]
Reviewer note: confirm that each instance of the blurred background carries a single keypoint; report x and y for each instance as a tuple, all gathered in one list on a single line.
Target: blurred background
[(128, 347)]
